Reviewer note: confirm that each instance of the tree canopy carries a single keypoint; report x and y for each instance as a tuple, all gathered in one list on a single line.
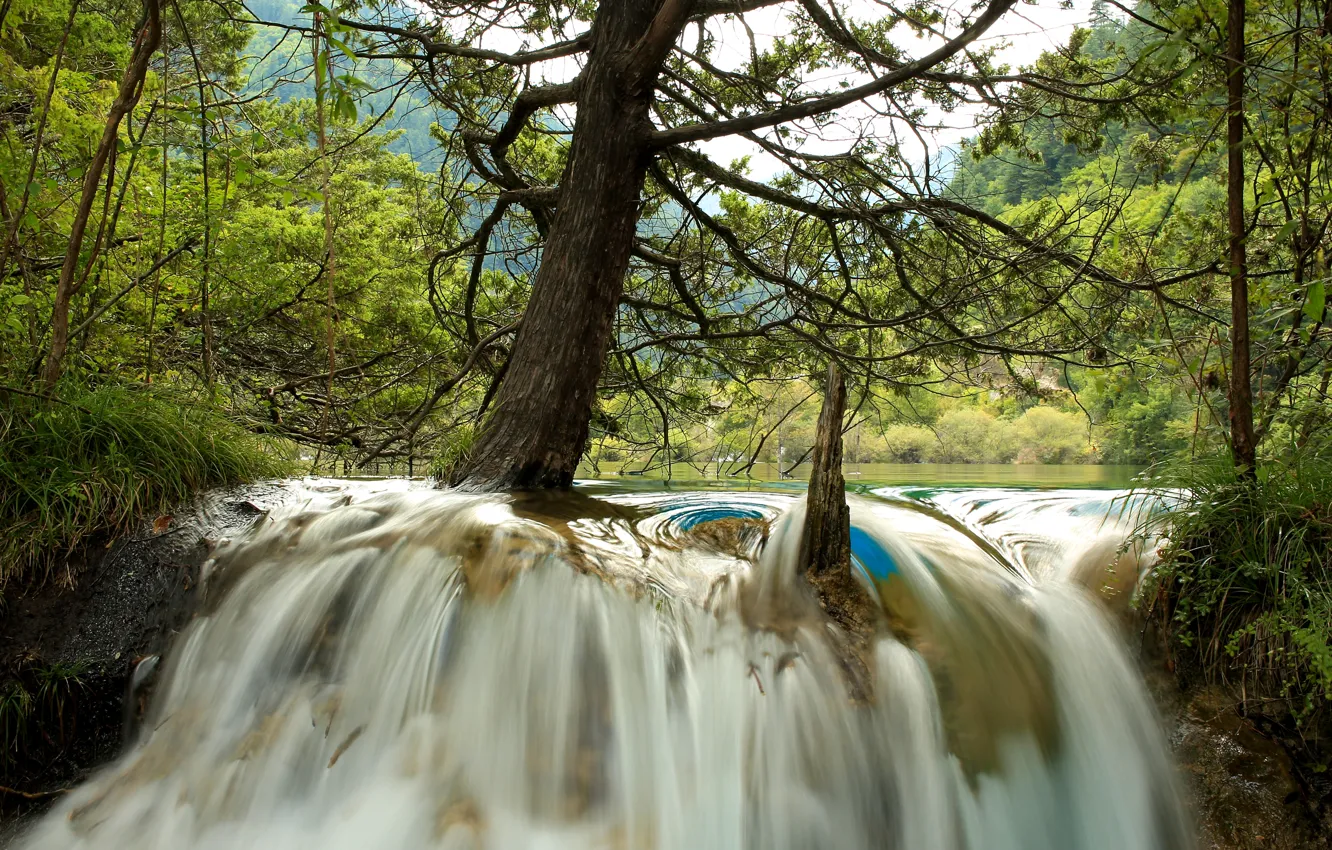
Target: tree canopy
[(526, 212)]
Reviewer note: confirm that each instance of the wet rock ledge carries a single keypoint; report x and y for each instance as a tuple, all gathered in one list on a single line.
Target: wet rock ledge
[(77, 654), (1245, 785)]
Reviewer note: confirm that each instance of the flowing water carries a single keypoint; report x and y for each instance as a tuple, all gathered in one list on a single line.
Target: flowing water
[(387, 666)]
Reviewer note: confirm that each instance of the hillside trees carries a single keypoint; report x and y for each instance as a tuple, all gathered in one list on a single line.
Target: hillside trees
[(649, 246), (836, 230), (1225, 110), (212, 227)]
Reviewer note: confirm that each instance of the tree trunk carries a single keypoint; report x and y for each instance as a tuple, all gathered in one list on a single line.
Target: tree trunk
[(536, 434), (825, 546), (1242, 443), (131, 85), (323, 79)]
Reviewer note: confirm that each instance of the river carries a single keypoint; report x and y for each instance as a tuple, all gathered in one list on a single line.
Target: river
[(384, 665), (1089, 476)]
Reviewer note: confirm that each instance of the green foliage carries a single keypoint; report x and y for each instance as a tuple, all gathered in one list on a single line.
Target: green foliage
[(16, 708), (905, 443), (1141, 422), (967, 436), (1048, 435), (38, 702), (455, 454), (94, 463), (1244, 587)]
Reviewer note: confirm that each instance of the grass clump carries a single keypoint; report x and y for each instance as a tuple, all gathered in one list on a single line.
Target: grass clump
[(1244, 587), (95, 463), (39, 704)]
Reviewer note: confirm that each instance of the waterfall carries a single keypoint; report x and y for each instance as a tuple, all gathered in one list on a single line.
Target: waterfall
[(386, 667)]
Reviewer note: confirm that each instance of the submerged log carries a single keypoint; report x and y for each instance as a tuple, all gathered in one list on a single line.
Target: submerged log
[(825, 545)]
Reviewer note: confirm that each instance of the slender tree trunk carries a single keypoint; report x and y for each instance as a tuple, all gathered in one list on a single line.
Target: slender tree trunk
[(536, 434), (206, 264), (162, 219), (825, 546), (11, 237), (322, 79), (1242, 443), (131, 86)]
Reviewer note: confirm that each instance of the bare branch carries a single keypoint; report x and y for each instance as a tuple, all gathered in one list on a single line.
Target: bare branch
[(821, 105), (432, 47)]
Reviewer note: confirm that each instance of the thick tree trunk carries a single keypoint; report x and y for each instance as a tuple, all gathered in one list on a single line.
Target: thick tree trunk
[(1242, 441), (131, 85), (536, 433)]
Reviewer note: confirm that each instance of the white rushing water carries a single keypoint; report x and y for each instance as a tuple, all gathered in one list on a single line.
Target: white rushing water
[(395, 668)]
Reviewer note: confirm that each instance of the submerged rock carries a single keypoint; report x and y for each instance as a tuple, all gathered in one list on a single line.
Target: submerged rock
[(737, 536)]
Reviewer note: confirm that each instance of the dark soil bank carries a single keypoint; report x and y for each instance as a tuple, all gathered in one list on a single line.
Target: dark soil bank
[(77, 656)]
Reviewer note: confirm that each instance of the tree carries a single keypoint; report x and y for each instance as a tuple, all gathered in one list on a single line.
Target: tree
[(131, 87), (648, 246), (1243, 446), (1229, 105)]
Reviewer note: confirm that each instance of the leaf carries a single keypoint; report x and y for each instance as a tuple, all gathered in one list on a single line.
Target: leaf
[(344, 107), (1286, 229), (1313, 305), (342, 45)]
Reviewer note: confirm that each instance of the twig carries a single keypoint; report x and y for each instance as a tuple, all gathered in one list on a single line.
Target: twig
[(32, 795)]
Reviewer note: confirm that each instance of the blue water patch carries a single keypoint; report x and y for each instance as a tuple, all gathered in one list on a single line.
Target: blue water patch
[(695, 517), (871, 556)]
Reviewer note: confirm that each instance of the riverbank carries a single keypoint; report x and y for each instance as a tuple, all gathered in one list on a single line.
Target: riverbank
[(1246, 786), (1040, 475), (1241, 602), (76, 660), (83, 468)]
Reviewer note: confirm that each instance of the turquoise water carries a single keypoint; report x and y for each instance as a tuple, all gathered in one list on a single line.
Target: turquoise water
[(1041, 476)]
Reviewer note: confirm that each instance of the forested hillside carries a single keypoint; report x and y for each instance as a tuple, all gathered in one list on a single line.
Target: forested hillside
[(352, 293)]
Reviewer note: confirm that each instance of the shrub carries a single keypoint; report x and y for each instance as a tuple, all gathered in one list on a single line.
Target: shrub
[(1244, 587), (904, 444), (96, 462), (1047, 435), (968, 436)]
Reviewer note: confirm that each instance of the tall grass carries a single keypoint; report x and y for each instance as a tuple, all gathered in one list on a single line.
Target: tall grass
[(94, 463), (1244, 587)]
